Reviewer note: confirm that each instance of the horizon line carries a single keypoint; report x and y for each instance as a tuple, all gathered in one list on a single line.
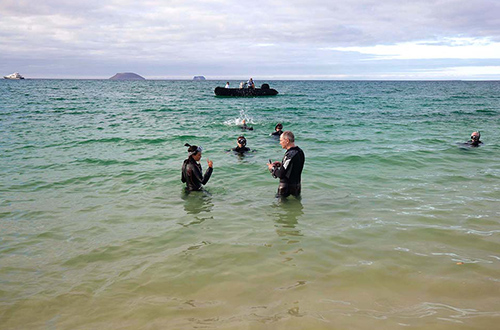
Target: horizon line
[(271, 79)]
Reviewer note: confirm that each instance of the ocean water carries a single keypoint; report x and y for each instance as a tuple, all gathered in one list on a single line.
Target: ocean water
[(398, 224)]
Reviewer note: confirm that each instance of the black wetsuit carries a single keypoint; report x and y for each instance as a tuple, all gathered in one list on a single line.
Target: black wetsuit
[(241, 150), (290, 172), (473, 143), (245, 127), (277, 133), (193, 176)]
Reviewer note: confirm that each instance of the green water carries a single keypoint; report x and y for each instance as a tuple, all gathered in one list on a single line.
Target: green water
[(398, 225)]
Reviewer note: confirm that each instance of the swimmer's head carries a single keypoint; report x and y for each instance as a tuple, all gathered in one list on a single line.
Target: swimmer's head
[(475, 136), (194, 151), (242, 141), (279, 127)]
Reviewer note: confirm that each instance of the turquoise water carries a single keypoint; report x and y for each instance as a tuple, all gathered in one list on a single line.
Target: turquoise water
[(398, 225)]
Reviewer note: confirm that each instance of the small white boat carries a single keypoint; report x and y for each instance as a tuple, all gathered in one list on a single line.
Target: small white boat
[(15, 75)]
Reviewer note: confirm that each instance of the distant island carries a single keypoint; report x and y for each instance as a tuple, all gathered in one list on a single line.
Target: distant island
[(199, 78), (127, 76)]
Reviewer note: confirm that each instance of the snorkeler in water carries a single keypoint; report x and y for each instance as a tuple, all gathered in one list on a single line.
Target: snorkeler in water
[(278, 130), (474, 139), (192, 173), (241, 148), (245, 127)]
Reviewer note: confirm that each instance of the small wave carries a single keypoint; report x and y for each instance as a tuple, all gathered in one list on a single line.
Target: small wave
[(487, 112), (109, 253), (151, 141), (461, 97), (45, 185), (352, 158), (104, 162), (105, 140), (26, 147), (417, 312), (122, 140), (389, 160), (429, 309), (51, 235)]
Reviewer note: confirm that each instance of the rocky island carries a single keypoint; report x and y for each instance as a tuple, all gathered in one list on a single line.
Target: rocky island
[(127, 76), (199, 78)]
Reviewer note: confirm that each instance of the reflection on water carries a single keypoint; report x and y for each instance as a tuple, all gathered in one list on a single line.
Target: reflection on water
[(286, 214), (199, 204)]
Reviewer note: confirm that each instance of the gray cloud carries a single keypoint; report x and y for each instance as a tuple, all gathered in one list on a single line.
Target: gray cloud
[(225, 34)]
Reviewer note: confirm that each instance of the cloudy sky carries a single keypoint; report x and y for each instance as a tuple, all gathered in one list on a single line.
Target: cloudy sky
[(272, 39)]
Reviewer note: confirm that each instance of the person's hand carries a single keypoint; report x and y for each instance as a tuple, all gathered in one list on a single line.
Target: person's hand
[(275, 164), (210, 163)]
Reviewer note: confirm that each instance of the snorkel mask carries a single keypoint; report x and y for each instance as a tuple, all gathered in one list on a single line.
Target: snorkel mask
[(199, 149), (242, 141), (194, 152)]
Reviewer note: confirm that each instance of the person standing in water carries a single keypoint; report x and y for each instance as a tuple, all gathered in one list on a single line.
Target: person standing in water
[(289, 170), (192, 173)]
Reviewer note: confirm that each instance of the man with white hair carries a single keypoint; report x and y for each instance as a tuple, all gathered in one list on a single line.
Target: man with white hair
[(289, 170)]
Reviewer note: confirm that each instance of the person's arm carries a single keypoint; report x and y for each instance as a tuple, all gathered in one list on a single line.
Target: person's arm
[(208, 172), (284, 169), (207, 175), (183, 172)]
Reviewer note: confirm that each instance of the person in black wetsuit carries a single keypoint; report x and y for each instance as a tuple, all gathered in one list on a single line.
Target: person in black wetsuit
[(192, 173), (245, 127), (278, 130), (289, 170), (241, 148), (474, 139)]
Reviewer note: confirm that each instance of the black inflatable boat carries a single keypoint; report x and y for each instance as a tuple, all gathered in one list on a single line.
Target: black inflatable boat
[(264, 90)]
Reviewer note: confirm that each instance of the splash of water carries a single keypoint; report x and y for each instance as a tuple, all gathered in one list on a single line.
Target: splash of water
[(239, 120)]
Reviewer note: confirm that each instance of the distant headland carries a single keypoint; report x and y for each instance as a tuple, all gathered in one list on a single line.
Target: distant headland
[(199, 78), (127, 76)]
